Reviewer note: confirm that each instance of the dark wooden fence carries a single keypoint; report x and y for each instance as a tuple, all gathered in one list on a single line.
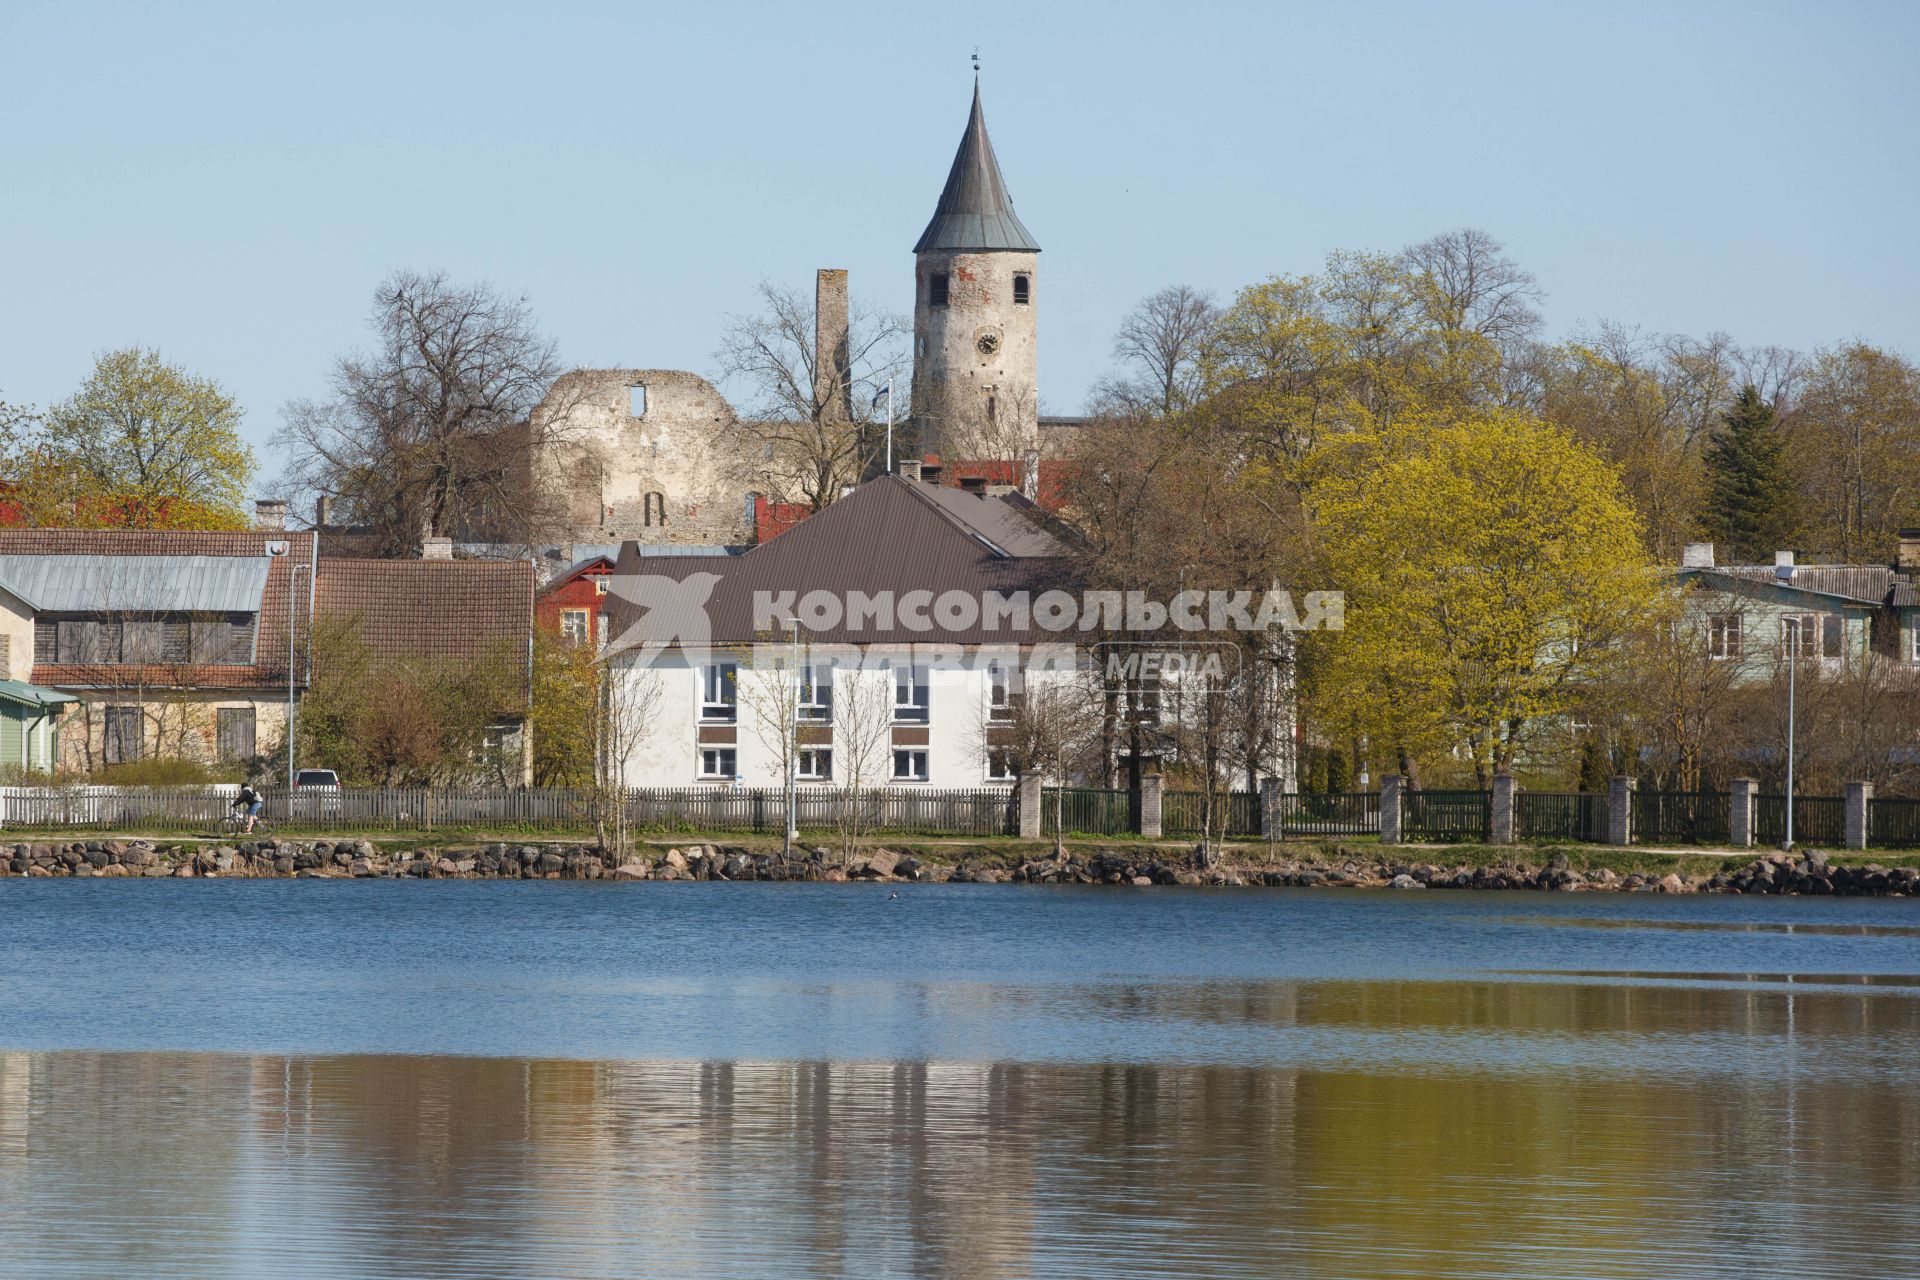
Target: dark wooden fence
[(1560, 815), (1445, 816), (1332, 813)]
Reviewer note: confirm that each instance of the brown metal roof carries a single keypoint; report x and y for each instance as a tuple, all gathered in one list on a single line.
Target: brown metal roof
[(891, 534)]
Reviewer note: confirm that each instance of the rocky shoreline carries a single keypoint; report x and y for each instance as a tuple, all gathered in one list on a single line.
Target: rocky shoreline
[(1774, 873)]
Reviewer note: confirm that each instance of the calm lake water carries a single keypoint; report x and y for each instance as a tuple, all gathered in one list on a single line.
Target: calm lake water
[(457, 1079)]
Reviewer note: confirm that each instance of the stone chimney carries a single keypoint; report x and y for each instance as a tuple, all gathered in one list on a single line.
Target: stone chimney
[(1908, 556), (1030, 483), (436, 548), (1697, 555), (322, 511), (1782, 560), (910, 468), (270, 513), (832, 363)]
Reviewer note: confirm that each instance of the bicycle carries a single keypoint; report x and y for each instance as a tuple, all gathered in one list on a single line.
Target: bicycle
[(235, 824)]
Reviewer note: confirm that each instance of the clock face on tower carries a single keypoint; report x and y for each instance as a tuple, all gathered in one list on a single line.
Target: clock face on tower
[(988, 342)]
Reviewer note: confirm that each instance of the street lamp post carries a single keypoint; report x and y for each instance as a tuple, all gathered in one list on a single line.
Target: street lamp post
[(793, 730), (1784, 573), (293, 576)]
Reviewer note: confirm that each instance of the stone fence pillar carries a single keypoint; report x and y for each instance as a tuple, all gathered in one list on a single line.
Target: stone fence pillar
[(1030, 784), (1272, 798), (1500, 816), (1740, 812), (1390, 786), (1859, 802), (1153, 790), (1620, 810)]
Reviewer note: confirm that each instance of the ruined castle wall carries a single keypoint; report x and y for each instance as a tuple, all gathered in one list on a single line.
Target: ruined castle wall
[(680, 471)]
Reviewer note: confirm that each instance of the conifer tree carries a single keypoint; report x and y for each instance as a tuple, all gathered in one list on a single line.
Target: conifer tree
[(1749, 511)]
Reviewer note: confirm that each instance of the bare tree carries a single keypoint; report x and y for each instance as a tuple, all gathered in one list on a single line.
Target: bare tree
[(429, 432), (1469, 285), (863, 733), (629, 702), (800, 410), (1160, 339)]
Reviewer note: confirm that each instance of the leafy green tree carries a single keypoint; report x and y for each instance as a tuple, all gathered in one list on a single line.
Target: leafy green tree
[(1750, 508), (142, 444)]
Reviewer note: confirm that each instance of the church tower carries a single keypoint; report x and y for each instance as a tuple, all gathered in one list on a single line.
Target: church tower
[(975, 351)]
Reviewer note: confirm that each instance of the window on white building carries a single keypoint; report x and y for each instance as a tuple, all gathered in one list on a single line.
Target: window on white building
[(717, 762), (1002, 686), (1723, 635), (1000, 767), (720, 692), (816, 693), (912, 697), (816, 764), (910, 765)]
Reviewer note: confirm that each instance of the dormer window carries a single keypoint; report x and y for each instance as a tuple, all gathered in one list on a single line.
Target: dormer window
[(637, 401), (937, 289), (1022, 289)]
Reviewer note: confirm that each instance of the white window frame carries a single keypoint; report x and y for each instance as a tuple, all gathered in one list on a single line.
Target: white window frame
[(722, 767), (907, 755), (816, 693), (1809, 634), (918, 687), (1002, 677), (815, 764), (584, 617), (1913, 639), (1725, 640), (720, 693), (1002, 756)]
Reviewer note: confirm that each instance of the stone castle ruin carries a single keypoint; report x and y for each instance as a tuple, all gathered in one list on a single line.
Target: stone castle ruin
[(659, 456)]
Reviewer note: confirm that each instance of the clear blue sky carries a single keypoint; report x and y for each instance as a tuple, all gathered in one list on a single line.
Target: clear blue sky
[(228, 183)]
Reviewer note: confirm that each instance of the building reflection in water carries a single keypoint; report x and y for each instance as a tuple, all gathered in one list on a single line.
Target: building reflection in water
[(1459, 1156)]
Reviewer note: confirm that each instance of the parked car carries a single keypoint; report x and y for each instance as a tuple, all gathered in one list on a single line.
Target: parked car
[(316, 794)]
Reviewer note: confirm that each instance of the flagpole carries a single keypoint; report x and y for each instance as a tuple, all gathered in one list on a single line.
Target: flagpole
[(889, 425)]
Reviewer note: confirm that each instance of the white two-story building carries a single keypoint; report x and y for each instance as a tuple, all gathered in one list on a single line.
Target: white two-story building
[(907, 610)]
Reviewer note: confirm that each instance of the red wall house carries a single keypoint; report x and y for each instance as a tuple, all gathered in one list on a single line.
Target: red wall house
[(574, 605)]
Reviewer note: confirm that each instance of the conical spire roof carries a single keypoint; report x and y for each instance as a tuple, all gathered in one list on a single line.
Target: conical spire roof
[(975, 212)]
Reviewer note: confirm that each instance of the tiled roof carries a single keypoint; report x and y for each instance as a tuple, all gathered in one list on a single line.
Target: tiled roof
[(269, 669), (438, 608)]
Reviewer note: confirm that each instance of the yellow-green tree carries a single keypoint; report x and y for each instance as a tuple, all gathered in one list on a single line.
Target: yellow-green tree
[(565, 713), (142, 444), (1491, 566)]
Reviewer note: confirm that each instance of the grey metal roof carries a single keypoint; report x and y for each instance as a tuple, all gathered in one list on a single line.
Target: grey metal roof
[(1871, 584), (141, 584), (33, 695), (975, 212)]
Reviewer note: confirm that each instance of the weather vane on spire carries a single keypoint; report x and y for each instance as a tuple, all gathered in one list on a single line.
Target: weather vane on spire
[(976, 62)]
